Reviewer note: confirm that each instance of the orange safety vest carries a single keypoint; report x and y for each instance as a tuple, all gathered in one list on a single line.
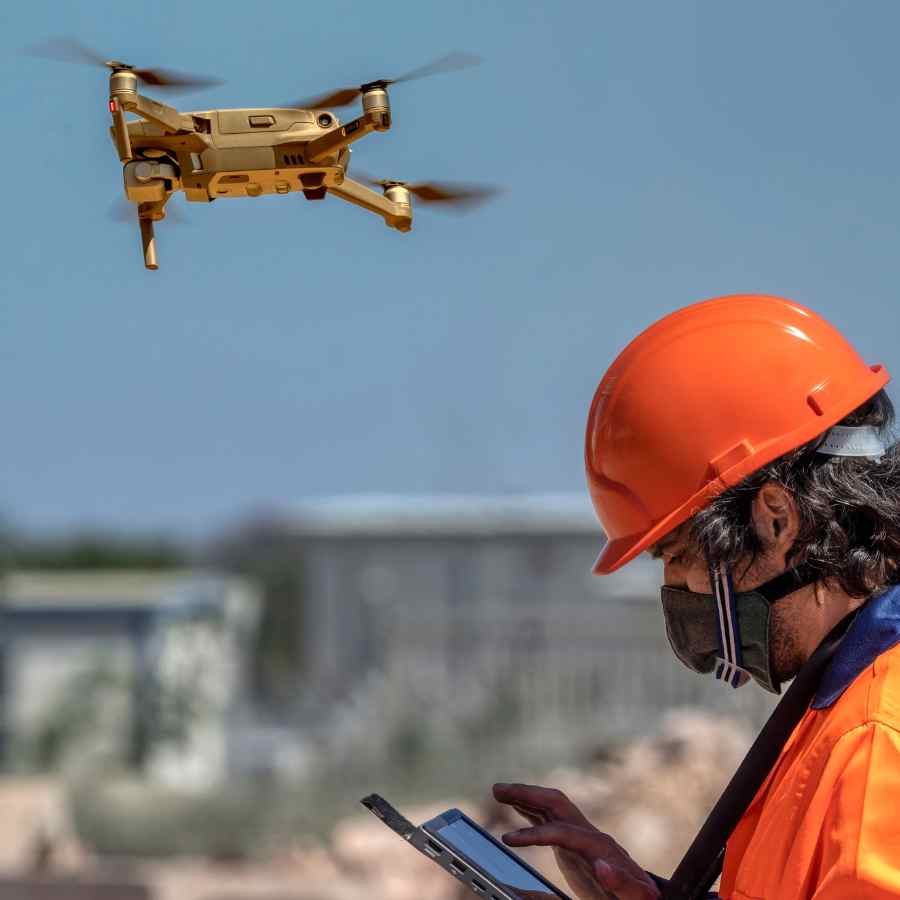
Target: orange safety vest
[(826, 822)]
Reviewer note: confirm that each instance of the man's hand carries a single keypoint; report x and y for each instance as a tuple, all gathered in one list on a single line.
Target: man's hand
[(593, 864)]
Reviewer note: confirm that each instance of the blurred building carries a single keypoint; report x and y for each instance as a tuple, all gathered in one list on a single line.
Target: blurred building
[(482, 613), (124, 668)]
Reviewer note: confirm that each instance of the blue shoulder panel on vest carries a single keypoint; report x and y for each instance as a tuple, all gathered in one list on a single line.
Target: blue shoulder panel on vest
[(875, 630)]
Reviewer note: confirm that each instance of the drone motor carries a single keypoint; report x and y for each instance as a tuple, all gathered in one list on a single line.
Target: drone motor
[(122, 81), (397, 193), (376, 102)]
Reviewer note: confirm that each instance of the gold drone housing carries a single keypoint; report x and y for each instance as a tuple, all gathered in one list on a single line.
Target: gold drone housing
[(217, 154)]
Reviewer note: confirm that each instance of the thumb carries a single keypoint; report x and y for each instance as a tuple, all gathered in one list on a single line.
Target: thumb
[(617, 883)]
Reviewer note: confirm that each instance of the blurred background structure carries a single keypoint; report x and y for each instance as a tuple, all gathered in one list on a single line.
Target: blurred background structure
[(302, 514), (124, 668), (423, 647), (465, 634)]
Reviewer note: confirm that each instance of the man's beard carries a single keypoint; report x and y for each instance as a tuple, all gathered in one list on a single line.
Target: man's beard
[(785, 652)]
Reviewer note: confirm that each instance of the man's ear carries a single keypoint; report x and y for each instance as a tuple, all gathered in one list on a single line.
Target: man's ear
[(775, 517)]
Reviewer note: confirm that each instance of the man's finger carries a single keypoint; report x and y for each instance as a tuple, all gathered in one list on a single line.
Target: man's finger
[(536, 817), (548, 800), (586, 841)]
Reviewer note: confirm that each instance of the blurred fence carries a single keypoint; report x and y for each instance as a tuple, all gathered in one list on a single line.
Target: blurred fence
[(474, 700), (521, 691)]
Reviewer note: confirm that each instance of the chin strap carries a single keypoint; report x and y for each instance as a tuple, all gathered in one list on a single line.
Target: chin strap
[(730, 662)]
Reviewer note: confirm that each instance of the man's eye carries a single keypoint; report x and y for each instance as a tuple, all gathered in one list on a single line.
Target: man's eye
[(677, 558)]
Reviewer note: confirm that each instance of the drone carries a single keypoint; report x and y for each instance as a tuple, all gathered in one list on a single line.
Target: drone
[(225, 153)]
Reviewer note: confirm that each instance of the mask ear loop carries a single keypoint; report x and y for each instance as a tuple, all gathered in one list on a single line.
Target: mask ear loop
[(730, 662)]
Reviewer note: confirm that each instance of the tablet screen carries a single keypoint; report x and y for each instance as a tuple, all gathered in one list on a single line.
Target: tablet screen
[(501, 866)]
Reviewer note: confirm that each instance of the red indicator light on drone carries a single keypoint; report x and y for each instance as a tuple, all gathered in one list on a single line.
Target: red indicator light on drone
[(112, 106)]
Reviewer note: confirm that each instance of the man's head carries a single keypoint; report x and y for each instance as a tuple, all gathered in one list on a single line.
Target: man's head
[(714, 496), (773, 520), (838, 514)]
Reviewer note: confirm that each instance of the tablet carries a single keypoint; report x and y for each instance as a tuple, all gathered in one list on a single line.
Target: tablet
[(469, 853)]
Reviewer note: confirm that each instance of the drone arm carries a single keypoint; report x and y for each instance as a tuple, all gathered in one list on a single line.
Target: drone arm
[(344, 136), (167, 117), (395, 215)]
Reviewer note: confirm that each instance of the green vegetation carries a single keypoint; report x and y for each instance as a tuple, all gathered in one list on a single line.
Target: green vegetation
[(96, 551), (258, 551)]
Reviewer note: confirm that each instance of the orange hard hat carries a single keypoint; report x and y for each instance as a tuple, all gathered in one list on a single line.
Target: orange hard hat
[(703, 398)]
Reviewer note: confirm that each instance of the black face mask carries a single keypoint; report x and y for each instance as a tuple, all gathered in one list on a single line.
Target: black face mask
[(729, 632)]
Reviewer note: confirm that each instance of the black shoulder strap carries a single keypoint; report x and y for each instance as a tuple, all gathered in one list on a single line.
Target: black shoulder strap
[(702, 863), (788, 582)]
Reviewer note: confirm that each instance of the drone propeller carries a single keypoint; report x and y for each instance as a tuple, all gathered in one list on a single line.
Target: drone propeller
[(448, 195), (452, 62), (70, 50)]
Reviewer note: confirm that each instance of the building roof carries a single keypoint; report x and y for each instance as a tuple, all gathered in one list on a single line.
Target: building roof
[(390, 515), (113, 590)]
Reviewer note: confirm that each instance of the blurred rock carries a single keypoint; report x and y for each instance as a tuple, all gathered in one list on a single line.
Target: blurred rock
[(35, 832), (651, 796), (654, 796)]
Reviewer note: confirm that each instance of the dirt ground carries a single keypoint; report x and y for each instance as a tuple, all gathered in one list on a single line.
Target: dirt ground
[(652, 797)]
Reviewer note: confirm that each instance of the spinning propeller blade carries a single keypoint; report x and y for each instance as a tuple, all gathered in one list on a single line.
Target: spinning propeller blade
[(452, 196), (343, 97), (66, 49), (175, 81), (70, 50), (464, 196), (452, 62)]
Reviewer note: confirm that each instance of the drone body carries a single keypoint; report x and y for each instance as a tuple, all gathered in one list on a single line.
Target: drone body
[(218, 153), (214, 154), (231, 153)]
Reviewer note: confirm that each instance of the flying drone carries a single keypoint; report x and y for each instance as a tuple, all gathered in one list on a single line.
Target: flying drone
[(225, 153)]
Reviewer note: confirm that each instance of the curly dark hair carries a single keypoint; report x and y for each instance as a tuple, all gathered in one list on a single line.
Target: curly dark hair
[(849, 510)]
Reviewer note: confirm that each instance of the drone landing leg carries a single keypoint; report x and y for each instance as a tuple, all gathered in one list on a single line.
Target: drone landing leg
[(148, 239)]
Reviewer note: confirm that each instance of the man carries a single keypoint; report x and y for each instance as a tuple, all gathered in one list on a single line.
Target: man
[(742, 441)]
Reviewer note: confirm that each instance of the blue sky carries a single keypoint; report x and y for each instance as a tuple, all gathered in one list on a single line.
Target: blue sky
[(652, 154)]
